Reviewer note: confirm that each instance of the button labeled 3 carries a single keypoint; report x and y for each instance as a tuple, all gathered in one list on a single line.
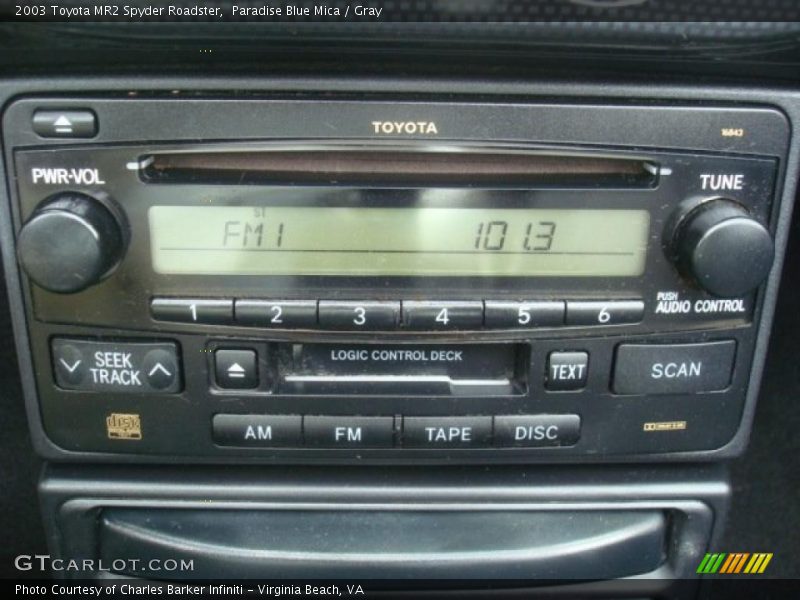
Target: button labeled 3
[(354, 316)]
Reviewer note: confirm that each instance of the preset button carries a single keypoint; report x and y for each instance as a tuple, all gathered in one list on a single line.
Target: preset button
[(355, 316), (422, 316), (613, 312), (192, 310), (277, 314), (523, 315)]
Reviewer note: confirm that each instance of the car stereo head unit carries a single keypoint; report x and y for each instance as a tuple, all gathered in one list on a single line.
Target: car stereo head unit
[(325, 280)]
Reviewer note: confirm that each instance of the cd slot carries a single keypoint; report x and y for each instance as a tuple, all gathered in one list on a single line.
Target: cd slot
[(392, 167), (405, 369)]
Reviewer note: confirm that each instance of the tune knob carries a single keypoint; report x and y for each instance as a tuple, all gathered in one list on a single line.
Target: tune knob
[(71, 242), (720, 247)]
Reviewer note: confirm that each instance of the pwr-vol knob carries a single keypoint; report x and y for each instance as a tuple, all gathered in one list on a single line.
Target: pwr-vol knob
[(71, 242), (720, 247)]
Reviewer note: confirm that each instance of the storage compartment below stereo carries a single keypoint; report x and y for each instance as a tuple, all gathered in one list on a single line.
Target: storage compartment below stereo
[(615, 531), (414, 544)]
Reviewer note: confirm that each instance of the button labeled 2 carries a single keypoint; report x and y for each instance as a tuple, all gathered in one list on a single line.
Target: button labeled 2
[(277, 314)]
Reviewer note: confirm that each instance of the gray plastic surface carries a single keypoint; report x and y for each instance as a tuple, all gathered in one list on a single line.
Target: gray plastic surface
[(692, 501), (407, 544)]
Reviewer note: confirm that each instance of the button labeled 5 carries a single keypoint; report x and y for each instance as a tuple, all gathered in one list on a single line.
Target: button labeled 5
[(514, 315)]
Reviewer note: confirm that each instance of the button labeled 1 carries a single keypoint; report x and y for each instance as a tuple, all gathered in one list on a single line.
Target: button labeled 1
[(191, 310)]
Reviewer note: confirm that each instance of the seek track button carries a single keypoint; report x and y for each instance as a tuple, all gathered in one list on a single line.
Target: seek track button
[(124, 367), (70, 364), (160, 368)]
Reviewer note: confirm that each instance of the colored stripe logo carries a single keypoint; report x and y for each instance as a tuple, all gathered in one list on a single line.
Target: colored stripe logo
[(734, 563)]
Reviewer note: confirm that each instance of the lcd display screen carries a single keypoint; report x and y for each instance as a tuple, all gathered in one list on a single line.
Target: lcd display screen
[(412, 242)]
